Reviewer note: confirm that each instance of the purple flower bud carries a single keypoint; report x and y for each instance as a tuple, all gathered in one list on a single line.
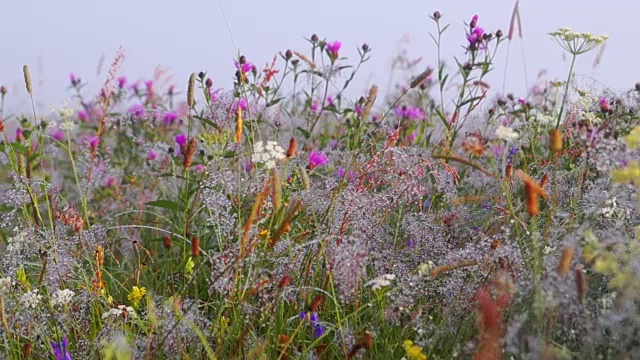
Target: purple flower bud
[(181, 139)]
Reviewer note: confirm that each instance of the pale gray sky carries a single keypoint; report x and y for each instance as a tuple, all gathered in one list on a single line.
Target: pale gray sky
[(56, 38)]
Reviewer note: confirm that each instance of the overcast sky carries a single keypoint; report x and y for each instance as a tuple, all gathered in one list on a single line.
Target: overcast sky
[(56, 38)]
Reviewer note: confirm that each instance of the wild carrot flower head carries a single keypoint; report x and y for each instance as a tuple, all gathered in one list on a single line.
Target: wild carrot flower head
[(60, 350), (317, 159), (577, 43), (333, 49)]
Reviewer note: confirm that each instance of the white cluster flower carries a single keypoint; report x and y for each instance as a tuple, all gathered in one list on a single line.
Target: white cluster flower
[(381, 281), (31, 299), (577, 42), (545, 119), (425, 268), (61, 297), (506, 134), (118, 311), (268, 153)]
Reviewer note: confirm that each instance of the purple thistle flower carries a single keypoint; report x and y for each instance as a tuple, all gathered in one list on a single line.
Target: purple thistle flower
[(169, 117), (181, 139), (94, 141), (58, 135), (359, 109), (242, 104), (83, 115), (136, 110), (199, 168), (245, 68), (334, 49), (317, 159), (122, 82), (151, 155), (314, 107), (60, 350)]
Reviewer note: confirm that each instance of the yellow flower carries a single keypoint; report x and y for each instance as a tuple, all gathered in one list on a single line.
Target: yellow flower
[(414, 352), (137, 293)]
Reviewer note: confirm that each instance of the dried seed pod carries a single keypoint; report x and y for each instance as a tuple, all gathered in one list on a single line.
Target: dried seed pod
[(291, 150), (565, 261), (555, 140), (195, 246)]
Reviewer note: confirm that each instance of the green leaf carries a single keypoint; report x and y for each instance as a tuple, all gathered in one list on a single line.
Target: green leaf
[(274, 101), (207, 122), (166, 204), (304, 132)]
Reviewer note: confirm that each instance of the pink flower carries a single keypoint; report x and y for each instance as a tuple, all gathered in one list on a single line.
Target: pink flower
[(245, 68), (242, 104), (169, 117), (74, 80), (122, 82), (58, 135), (199, 168), (604, 105), (151, 155), (94, 141), (137, 110), (111, 182), (317, 159), (181, 139), (334, 49), (83, 116)]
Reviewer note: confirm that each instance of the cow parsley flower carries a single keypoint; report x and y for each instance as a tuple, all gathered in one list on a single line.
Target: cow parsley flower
[(119, 311)]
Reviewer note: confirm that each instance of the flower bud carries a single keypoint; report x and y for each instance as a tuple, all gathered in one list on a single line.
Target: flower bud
[(499, 34), (201, 75), (288, 54), (365, 47), (3, 89), (209, 83), (314, 38), (437, 15)]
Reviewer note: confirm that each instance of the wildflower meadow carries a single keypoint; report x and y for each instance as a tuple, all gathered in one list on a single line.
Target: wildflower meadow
[(282, 219)]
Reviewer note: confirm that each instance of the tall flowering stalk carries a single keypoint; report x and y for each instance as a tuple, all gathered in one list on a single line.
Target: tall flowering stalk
[(574, 43)]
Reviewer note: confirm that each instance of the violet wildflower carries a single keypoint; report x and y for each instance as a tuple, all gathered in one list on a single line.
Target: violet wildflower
[(333, 49), (149, 85), (604, 105), (169, 117), (199, 168), (317, 159), (60, 350), (242, 104), (340, 172), (58, 135), (245, 67), (181, 139), (122, 82), (359, 109), (94, 141), (151, 155), (314, 107), (83, 115), (74, 80), (475, 38), (111, 182), (136, 110)]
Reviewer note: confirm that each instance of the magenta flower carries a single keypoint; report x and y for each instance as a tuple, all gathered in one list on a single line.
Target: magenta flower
[(151, 155), (19, 135), (169, 117), (74, 80), (317, 159), (475, 38), (137, 111), (122, 82), (410, 112), (242, 104), (58, 135), (94, 141), (199, 168), (181, 139), (83, 115), (60, 350), (111, 182), (604, 105), (149, 85), (330, 101), (244, 68), (334, 49)]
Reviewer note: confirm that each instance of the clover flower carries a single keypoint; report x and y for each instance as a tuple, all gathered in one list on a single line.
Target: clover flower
[(267, 154)]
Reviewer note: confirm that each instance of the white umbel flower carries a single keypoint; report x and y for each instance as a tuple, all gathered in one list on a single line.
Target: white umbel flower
[(31, 299), (381, 281), (506, 134), (267, 154), (119, 310), (62, 297)]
